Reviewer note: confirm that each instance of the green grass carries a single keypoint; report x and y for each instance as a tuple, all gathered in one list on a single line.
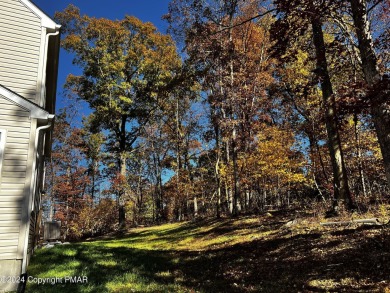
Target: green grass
[(144, 260), (251, 254)]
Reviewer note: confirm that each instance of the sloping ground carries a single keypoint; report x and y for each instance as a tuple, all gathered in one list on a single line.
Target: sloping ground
[(252, 254)]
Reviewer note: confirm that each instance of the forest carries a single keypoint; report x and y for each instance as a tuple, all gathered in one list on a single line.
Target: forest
[(244, 106)]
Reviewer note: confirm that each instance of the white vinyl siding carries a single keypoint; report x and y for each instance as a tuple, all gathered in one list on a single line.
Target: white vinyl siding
[(3, 134), (15, 128), (20, 37)]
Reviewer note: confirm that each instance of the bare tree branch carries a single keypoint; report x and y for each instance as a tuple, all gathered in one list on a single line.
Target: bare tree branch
[(374, 5), (245, 21)]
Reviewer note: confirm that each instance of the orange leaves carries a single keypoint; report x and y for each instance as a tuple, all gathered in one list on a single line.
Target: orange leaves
[(72, 42), (119, 184), (194, 144)]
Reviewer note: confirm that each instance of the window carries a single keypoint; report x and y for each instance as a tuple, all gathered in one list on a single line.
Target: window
[(2, 146)]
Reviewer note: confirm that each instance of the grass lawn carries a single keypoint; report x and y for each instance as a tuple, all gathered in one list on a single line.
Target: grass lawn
[(250, 254)]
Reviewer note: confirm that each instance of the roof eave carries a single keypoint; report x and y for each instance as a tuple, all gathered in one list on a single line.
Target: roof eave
[(35, 111), (46, 21)]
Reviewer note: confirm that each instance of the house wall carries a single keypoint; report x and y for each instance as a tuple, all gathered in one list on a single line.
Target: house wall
[(20, 49), (23, 54), (9, 268), (36, 212), (15, 182)]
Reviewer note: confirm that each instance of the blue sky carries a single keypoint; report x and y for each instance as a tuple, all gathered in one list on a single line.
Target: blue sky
[(146, 10)]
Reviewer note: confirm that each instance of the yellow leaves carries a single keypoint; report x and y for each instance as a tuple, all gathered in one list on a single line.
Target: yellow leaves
[(274, 156), (119, 59), (125, 99), (300, 69), (272, 160), (301, 63), (328, 38)]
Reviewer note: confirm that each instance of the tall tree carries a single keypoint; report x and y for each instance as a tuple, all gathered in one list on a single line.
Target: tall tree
[(340, 179), (296, 17), (126, 66), (378, 83), (68, 180), (236, 71)]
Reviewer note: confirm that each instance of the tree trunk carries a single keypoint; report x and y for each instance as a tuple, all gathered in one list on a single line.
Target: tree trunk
[(359, 157), (217, 175), (315, 140), (215, 122), (67, 204), (380, 109), (122, 170), (229, 197), (93, 180), (140, 197), (195, 206), (160, 212), (340, 181), (122, 195), (247, 200), (236, 194)]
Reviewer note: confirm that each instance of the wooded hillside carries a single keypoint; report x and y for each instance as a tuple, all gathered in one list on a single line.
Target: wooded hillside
[(244, 107)]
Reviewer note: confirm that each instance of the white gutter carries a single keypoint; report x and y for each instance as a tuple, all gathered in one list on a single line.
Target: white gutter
[(43, 85), (31, 200)]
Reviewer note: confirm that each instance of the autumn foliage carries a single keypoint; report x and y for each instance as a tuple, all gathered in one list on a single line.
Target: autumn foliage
[(269, 105)]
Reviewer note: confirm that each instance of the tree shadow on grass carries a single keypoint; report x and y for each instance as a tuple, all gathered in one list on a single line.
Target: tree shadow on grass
[(339, 262), (303, 263), (109, 269)]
